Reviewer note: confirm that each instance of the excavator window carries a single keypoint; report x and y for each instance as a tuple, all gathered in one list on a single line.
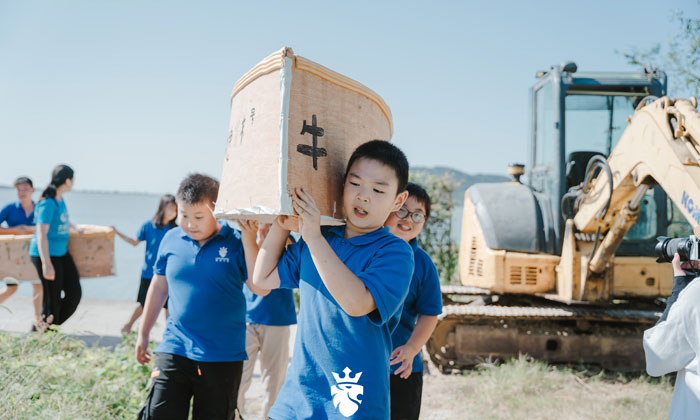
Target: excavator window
[(646, 226), (596, 122), (677, 226), (543, 174)]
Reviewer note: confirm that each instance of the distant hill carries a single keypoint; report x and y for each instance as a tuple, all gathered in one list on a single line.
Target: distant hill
[(463, 180)]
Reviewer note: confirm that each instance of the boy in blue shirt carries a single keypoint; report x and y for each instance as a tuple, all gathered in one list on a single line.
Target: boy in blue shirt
[(19, 218), (267, 333), (420, 308), (201, 268), (352, 281)]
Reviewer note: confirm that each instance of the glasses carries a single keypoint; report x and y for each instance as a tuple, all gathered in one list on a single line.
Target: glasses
[(416, 216)]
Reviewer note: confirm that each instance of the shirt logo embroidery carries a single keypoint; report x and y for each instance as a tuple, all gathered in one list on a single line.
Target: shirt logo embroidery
[(222, 255), (346, 393)]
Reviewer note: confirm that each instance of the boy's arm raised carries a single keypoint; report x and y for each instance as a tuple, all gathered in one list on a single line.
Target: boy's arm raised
[(347, 289), (249, 231), (265, 275), (155, 299)]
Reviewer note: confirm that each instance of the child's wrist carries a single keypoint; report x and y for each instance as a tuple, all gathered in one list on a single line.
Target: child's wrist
[(412, 349), (313, 237), (248, 236)]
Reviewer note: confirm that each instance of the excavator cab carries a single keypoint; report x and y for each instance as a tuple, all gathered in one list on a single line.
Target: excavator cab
[(560, 265), (512, 233), (576, 116)]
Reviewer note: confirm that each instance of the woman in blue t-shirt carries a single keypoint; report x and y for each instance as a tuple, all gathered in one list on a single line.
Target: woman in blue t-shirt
[(152, 231), (49, 251)]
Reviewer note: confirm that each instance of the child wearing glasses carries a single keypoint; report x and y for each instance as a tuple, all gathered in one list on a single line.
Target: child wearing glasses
[(420, 310)]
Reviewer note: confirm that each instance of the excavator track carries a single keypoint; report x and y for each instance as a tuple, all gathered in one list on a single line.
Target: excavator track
[(463, 290), (468, 335)]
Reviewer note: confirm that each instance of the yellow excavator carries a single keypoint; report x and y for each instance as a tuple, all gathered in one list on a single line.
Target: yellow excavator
[(562, 266)]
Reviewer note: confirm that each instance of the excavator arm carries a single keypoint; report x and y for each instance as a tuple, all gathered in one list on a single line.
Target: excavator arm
[(660, 146)]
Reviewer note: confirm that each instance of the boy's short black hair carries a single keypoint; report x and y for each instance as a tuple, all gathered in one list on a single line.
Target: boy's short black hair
[(386, 153), (197, 188), (23, 180), (421, 196)]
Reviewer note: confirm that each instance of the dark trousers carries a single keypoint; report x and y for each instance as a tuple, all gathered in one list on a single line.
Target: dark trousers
[(176, 379), (143, 291), (405, 396), (66, 282)]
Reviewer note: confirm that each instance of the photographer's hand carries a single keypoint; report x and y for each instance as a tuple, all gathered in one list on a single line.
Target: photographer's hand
[(679, 269), (680, 280)]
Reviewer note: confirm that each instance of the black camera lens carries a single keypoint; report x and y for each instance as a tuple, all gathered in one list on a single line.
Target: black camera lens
[(666, 248)]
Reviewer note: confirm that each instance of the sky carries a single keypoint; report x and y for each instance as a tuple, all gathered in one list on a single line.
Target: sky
[(134, 95)]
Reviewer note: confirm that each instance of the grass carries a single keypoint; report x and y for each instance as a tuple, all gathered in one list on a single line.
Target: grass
[(526, 389), (52, 376)]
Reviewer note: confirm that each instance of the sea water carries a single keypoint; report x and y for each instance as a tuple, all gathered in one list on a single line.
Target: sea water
[(125, 211)]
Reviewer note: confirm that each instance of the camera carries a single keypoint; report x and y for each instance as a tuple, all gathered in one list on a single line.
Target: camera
[(687, 248)]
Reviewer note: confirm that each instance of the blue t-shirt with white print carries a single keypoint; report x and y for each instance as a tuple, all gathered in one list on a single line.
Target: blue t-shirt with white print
[(340, 365), (205, 291), (424, 297), (152, 235), (52, 212)]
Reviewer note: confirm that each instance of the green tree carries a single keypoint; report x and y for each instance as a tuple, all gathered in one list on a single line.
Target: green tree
[(679, 57), (436, 237)]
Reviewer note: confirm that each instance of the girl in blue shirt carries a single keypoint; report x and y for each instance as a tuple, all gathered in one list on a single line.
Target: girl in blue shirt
[(49, 251), (152, 232), (420, 309)]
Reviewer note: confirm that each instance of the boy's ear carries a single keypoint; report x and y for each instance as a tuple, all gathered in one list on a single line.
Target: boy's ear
[(400, 200)]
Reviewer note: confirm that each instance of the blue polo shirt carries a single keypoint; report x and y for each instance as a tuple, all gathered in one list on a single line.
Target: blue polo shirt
[(424, 297), (13, 214), (152, 235), (340, 366), (277, 308), (205, 290), (53, 213)]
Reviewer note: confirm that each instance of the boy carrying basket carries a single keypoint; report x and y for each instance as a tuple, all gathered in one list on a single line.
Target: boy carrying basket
[(352, 281)]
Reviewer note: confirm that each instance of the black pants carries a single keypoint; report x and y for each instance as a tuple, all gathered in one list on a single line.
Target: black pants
[(176, 379), (66, 282), (143, 291), (405, 396)]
